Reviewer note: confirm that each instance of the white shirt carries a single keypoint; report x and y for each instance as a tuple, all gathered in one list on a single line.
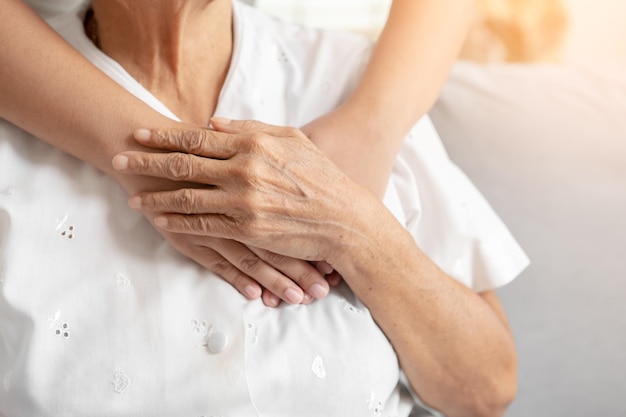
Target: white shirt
[(99, 316)]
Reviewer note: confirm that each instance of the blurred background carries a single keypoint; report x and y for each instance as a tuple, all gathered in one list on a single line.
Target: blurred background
[(586, 32)]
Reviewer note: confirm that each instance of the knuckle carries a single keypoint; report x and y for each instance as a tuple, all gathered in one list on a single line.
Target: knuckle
[(252, 175), (275, 258), (239, 279), (193, 140), (243, 170), (250, 263), (143, 164), (163, 137), (220, 266), (150, 202), (247, 125), (251, 204), (257, 141), (293, 132), (202, 224), (305, 275), (186, 200), (250, 168), (178, 167)]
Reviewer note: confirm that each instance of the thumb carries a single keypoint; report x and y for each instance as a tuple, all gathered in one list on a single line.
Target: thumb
[(225, 125)]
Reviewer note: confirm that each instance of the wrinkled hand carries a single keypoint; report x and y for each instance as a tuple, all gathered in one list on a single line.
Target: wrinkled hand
[(266, 186), (253, 272)]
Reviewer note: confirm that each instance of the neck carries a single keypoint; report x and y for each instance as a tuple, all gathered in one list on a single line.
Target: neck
[(179, 50)]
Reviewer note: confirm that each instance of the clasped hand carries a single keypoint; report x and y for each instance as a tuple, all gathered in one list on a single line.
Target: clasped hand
[(265, 201)]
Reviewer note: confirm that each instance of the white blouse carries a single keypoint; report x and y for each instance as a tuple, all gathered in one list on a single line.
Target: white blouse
[(50, 8), (100, 317)]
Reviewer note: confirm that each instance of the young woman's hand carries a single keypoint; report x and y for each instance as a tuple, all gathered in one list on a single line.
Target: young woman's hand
[(252, 271)]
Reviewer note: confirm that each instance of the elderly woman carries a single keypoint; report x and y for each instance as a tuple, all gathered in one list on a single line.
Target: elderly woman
[(98, 316)]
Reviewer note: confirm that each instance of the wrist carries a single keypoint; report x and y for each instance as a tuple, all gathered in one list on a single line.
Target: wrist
[(365, 112), (369, 244)]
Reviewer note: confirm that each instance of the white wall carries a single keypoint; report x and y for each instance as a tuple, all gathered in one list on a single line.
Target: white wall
[(597, 34), (366, 16)]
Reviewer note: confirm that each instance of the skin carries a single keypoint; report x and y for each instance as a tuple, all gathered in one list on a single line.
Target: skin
[(52, 92), (453, 344)]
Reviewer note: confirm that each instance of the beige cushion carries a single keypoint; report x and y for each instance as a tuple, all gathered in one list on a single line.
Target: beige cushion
[(547, 147)]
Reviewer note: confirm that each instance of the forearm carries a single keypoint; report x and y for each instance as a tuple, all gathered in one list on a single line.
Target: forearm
[(401, 82), (411, 61), (50, 90), (453, 345)]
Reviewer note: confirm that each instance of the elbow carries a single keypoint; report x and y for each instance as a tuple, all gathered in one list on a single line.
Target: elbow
[(488, 403), (494, 400), (495, 406)]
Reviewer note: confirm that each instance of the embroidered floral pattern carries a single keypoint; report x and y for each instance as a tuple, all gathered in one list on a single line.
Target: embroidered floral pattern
[(318, 368), (120, 382), (60, 329)]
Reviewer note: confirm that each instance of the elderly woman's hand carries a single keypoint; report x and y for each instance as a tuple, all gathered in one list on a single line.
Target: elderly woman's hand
[(253, 272), (265, 186)]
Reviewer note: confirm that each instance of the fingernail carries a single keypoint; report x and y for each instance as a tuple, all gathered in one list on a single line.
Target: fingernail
[(134, 203), (221, 120), (307, 298), (293, 296), (251, 291), (271, 300), (318, 291), (120, 162), (160, 221), (142, 134)]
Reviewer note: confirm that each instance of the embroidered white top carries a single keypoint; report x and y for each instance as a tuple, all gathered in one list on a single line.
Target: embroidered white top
[(99, 316)]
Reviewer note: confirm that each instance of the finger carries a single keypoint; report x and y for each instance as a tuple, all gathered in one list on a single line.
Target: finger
[(194, 140), (214, 262), (174, 166), (270, 299), (213, 225), (334, 279), (308, 299), (266, 275), (224, 125), (184, 201), (301, 272), (323, 267)]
